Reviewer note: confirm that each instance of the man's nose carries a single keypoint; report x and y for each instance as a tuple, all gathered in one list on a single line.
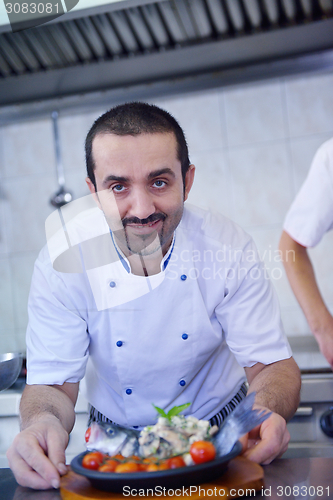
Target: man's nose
[(142, 205)]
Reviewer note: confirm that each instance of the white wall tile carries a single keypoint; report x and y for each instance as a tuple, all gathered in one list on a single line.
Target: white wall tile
[(322, 261), (199, 115), (91, 116), (3, 228), (3, 225), (72, 132), (28, 148), (267, 241), (261, 183), (75, 182), (254, 113), (310, 104), (2, 163), (9, 342), (294, 321), (303, 150), (22, 266), (20, 339), (211, 187), (27, 209), (6, 297)]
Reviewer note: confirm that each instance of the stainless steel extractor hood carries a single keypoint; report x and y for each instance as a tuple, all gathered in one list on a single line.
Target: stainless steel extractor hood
[(138, 41)]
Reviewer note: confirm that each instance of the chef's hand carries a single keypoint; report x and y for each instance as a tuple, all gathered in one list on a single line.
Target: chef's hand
[(37, 454), (266, 441)]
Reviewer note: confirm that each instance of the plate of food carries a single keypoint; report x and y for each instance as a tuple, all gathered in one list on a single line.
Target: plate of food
[(176, 452), (171, 478)]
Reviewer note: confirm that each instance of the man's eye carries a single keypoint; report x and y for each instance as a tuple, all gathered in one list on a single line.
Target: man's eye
[(159, 183), (118, 188)]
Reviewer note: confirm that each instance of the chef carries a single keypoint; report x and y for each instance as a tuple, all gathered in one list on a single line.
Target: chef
[(146, 301), (309, 218)]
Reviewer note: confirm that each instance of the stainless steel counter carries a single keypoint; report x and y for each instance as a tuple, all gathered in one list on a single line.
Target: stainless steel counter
[(286, 479)]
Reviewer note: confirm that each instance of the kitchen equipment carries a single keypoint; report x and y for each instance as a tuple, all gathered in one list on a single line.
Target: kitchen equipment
[(311, 428), (10, 367), (241, 475), (107, 48), (62, 196), (172, 478)]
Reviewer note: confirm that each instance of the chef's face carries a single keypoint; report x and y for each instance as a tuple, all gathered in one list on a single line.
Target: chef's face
[(140, 189)]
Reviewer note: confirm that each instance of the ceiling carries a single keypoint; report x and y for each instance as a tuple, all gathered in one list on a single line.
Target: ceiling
[(133, 42)]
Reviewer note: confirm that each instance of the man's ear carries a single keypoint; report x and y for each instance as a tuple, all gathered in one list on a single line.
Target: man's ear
[(93, 191), (189, 178)]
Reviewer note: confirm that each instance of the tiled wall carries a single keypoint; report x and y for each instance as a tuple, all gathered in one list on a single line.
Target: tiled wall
[(252, 145)]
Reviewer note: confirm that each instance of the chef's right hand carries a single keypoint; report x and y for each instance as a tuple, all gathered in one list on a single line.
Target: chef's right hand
[(37, 454)]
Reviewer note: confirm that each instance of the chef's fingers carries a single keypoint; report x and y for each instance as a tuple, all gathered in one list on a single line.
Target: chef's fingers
[(25, 476), (250, 439), (30, 465), (57, 439), (244, 442), (270, 441), (265, 452)]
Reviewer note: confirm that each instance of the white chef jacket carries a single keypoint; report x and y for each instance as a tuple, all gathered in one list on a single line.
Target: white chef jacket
[(311, 214), (182, 335)]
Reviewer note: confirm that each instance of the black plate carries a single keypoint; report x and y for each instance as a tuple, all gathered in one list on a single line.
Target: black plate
[(169, 479)]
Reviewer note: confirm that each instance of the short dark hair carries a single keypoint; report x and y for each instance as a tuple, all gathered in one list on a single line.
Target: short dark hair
[(136, 118)]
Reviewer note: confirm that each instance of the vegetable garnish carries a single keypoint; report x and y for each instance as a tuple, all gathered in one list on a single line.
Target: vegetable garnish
[(202, 451), (175, 410)]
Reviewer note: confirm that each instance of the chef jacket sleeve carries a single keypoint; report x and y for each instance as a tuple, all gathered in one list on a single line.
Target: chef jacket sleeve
[(249, 313), (57, 338), (311, 214)]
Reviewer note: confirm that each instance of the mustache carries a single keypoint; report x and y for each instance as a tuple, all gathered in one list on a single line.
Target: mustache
[(148, 220)]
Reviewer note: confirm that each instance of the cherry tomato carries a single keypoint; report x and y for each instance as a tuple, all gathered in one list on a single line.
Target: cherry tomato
[(150, 460), (142, 466), (134, 458), (163, 465), (149, 464), (175, 462), (127, 467), (202, 451), (108, 466), (92, 460), (87, 434), (107, 460), (151, 467)]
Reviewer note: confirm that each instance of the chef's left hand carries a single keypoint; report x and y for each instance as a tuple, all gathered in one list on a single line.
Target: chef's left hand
[(267, 441)]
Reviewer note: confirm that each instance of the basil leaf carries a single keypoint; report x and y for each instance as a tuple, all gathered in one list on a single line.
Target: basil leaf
[(160, 411), (176, 410)]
